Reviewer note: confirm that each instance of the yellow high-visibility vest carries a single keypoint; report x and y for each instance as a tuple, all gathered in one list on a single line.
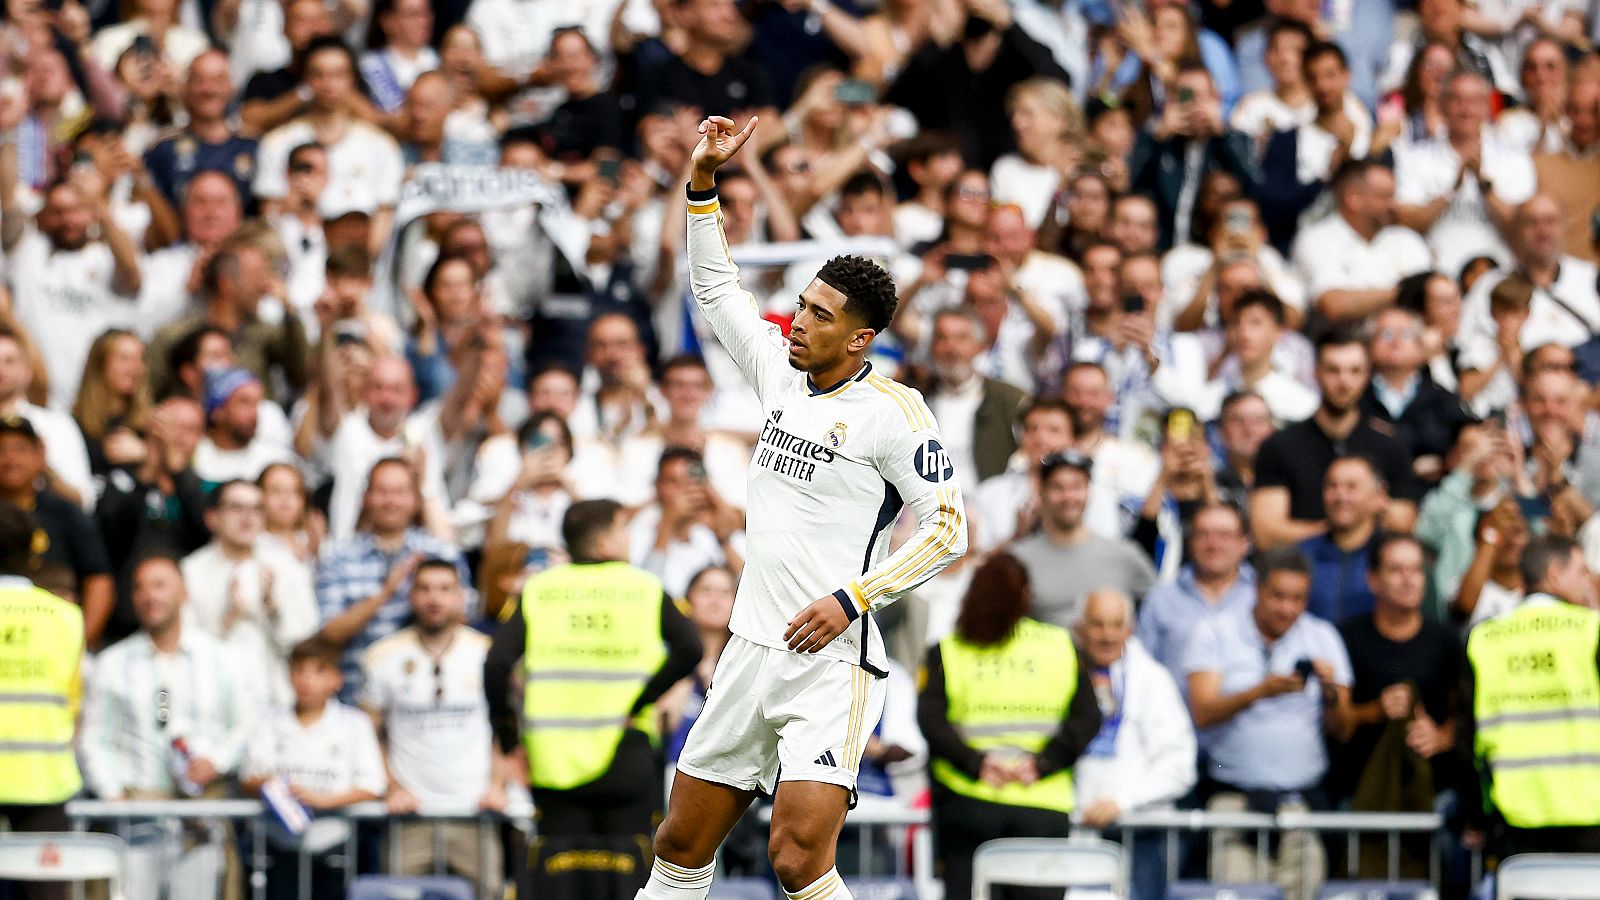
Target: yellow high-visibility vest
[(41, 646), (1011, 694), (1536, 705), (594, 639)]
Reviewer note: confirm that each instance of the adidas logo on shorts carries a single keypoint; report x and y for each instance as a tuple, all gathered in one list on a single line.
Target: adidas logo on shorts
[(826, 759)]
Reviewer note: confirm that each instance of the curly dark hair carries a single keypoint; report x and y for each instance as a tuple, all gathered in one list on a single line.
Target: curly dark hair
[(868, 289)]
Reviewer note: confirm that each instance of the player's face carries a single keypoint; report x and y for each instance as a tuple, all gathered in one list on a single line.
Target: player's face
[(822, 333)]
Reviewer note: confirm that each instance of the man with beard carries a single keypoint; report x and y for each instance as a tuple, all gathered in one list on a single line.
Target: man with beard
[(424, 689), (1065, 559), (1286, 505), (976, 412), (1123, 470), (72, 287)]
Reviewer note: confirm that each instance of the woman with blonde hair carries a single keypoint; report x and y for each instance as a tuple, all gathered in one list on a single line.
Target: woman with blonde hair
[(1048, 125), (113, 404)]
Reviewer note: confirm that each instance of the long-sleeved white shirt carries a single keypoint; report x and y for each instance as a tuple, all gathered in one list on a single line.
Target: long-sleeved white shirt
[(833, 468), (1145, 756), (208, 696), (264, 639)]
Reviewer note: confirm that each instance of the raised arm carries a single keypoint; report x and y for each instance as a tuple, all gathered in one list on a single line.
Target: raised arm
[(756, 345)]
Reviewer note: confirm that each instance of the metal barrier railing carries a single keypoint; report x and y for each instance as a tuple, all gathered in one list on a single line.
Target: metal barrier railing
[(122, 815), (1353, 825), (251, 814)]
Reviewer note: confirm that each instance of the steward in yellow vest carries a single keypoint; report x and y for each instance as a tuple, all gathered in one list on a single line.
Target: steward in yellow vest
[(1534, 708), (41, 648), (599, 642), (1007, 707)]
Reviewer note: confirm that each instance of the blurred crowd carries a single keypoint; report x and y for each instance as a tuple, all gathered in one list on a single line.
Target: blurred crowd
[(1181, 282)]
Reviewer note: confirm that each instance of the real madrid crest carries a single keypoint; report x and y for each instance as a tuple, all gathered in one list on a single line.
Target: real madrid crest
[(836, 435)]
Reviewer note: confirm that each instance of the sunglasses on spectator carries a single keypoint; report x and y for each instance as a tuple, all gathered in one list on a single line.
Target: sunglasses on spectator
[(301, 168), (967, 193), (798, 168)]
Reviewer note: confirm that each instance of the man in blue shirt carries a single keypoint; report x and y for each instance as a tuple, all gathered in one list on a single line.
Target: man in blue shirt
[(1353, 495), (208, 144), (364, 581), (1215, 581), (1264, 686)]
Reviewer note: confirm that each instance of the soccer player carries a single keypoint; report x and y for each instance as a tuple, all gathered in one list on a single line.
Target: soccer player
[(800, 686)]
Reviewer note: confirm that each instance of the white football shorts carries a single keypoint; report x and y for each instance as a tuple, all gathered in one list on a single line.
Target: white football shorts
[(775, 715)]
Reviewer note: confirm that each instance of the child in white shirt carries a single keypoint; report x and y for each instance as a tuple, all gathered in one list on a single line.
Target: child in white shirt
[(328, 757)]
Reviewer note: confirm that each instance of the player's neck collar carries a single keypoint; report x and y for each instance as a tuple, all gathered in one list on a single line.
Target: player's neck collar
[(860, 375)]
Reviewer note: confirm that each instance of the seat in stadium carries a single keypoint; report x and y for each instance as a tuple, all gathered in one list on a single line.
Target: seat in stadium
[(1217, 890), (742, 889), (65, 856), (1377, 890), (882, 888), (1048, 862), (1549, 876), (419, 887)]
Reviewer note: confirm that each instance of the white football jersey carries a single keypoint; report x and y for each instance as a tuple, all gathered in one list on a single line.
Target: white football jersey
[(832, 470)]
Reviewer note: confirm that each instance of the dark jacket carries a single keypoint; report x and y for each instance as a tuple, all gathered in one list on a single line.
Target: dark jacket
[(1339, 588), (1429, 423), (946, 95), (1289, 197), (994, 434), (1158, 168)]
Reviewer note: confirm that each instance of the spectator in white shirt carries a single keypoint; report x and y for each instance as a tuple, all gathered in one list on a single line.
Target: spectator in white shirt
[(1540, 125), (1255, 327), (326, 755), (1300, 161), (70, 286), (1008, 503), (168, 698), (1564, 309), (932, 162), (533, 505), (1123, 470), (688, 528), (424, 688), (1459, 190), (1144, 755), (1287, 103), (625, 472), (64, 450), (1048, 126), (361, 159), (1191, 272), (1054, 281), (616, 397), (377, 430), (1151, 368), (1352, 261), (233, 447), (254, 598)]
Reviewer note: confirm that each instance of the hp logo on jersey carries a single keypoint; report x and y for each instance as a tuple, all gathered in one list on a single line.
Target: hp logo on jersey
[(932, 462)]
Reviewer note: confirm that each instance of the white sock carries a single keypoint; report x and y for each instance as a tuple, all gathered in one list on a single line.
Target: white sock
[(829, 887), (671, 882)]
